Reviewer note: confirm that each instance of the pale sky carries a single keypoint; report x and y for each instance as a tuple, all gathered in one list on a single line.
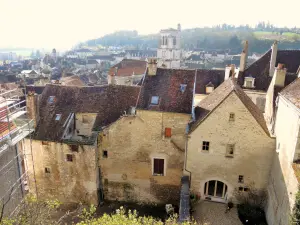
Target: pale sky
[(62, 23)]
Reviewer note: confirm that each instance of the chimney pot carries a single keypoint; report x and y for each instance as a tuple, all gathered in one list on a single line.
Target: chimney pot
[(280, 66)]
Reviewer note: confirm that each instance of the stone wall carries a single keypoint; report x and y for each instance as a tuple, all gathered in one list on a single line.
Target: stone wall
[(283, 184), (66, 181), (253, 149), (131, 143)]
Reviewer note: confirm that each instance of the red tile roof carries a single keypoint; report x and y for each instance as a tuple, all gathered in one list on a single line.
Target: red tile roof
[(128, 67), (292, 92)]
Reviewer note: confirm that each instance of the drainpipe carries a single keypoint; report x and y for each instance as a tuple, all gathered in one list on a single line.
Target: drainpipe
[(185, 158), (194, 91)]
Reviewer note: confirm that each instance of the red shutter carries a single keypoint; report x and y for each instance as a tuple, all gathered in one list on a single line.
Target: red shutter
[(168, 132)]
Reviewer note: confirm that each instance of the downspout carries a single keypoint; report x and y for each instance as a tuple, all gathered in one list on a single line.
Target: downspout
[(185, 159), (194, 91)]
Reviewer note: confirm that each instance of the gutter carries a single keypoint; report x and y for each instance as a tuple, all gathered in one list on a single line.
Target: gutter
[(185, 160)]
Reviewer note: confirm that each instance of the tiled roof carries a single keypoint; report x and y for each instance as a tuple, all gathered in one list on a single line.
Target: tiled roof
[(260, 68), (292, 92), (128, 67), (204, 77), (174, 87), (109, 102), (212, 101)]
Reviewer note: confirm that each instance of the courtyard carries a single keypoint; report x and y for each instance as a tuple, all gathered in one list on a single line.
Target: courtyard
[(213, 213)]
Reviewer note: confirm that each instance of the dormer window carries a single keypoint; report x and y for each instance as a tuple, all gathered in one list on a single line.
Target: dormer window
[(154, 100), (209, 88), (249, 82)]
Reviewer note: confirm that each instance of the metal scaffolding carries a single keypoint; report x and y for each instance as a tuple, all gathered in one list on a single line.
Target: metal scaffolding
[(14, 127)]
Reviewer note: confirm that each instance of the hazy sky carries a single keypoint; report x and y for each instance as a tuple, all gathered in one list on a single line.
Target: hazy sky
[(63, 23)]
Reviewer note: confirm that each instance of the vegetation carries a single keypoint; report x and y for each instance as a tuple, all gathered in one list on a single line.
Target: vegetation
[(35, 212), (220, 37), (251, 207), (295, 218)]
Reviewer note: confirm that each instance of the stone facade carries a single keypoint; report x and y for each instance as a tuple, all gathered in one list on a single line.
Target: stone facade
[(58, 178), (130, 146), (253, 150), (283, 184)]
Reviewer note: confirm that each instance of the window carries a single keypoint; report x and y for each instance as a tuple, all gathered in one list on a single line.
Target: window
[(231, 117), (182, 87), (246, 189), (241, 188), (74, 148), (205, 146), (158, 167), (85, 119), (47, 170), (154, 100), (230, 150), (168, 132), (104, 154), (174, 41), (51, 99), (69, 158), (57, 116), (241, 179)]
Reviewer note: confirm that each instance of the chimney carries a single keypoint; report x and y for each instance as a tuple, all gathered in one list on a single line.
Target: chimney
[(274, 49), (278, 80), (298, 71), (32, 104), (244, 56), (179, 27), (152, 67), (279, 76), (229, 70)]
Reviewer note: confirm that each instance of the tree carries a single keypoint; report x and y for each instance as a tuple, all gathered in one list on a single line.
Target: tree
[(296, 210)]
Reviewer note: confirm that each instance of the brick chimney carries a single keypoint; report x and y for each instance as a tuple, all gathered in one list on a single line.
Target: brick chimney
[(152, 67), (274, 49), (32, 103), (244, 57)]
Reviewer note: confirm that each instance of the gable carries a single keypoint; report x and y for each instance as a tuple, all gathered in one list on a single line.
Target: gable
[(217, 123)]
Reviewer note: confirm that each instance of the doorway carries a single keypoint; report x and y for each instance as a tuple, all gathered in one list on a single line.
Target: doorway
[(215, 190)]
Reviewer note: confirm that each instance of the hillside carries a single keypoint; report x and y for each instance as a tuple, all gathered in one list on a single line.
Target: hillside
[(217, 38)]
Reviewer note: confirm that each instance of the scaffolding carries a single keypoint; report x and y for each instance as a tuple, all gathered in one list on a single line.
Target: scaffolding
[(14, 127)]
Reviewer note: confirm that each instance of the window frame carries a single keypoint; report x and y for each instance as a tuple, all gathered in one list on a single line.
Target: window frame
[(151, 100), (69, 158), (51, 99), (231, 117), (153, 166), (205, 146), (228, 149), (58, 117)]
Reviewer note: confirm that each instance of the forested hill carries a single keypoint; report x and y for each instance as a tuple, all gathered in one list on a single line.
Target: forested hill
[(223, 37)]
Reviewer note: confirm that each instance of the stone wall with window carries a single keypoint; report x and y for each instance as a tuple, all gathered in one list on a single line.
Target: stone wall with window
[(62, 171), (229, 147), (141, 157)]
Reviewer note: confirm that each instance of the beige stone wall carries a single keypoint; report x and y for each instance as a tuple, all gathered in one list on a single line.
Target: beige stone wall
[(283, 184), (84, 123), (131, 144), (253, 152), (67, 181), (258, 98), (198, 98)]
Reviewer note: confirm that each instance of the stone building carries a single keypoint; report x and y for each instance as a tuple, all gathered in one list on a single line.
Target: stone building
[(284, 178), (169, 50), (127, 72), (142, 154), (229, 146), (64, 145)]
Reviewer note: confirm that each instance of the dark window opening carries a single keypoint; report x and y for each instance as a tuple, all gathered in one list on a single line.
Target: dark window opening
[(47, 170), (231, 117), (158, 167), (105, 154), (205, 145), (74, 148), (69, 157), (246, 189), (241, 179), (241, 188)]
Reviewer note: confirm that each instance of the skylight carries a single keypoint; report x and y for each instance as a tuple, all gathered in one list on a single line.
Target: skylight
[(182, 87), (154, 100), (51, 99), (57, 116)]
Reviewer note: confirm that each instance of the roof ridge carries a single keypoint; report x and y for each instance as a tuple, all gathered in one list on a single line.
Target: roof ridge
[(286, 87), (267, 52)]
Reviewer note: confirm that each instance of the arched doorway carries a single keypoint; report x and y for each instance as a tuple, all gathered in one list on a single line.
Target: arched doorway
[(215, 190)]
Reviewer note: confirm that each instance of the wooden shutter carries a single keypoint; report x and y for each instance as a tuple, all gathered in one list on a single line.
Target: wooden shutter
[(168, 132)]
